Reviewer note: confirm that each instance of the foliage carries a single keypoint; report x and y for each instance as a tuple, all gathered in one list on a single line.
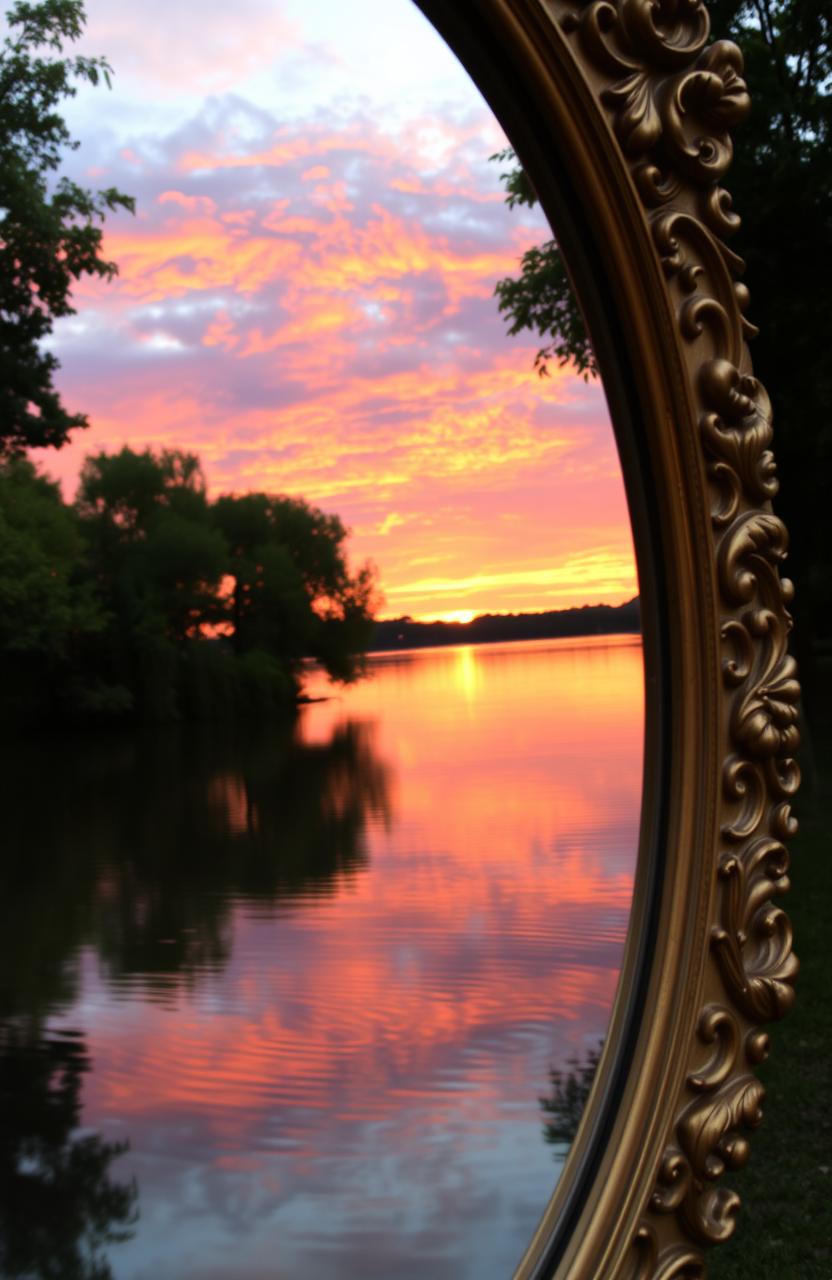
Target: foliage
[(292, 589), (49, 232), (147, 600), (159, 562), (268, 604), (43, 602), (541, 298)]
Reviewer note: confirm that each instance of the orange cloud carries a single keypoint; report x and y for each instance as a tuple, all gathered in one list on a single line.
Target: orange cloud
[(193, 204), (354, 356)]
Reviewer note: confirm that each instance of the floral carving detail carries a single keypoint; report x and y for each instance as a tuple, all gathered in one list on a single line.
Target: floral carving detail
[(764, 719), (765, 710), (747, 557), (709, 1134), (736, 434), (671, 95), (753, 941)]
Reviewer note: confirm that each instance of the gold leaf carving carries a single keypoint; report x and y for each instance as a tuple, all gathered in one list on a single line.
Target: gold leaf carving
[(736, 431), (753, 940), (672, 101)]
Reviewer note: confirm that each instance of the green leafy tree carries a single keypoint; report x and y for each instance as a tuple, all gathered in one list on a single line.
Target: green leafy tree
[(541, 298), (293, 594), (267, 574), (158, 559), (49, 226), (268, 606), (157, 565), (45, 602)]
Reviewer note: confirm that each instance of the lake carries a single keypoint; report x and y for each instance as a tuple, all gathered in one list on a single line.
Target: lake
[(285, 1002)]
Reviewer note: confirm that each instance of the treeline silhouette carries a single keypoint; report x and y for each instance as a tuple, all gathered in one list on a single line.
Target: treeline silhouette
[(144, 601), (488, 628)]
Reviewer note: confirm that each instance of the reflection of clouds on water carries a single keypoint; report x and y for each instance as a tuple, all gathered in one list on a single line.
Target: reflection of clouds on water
[(323, 1019), (342, 1214)]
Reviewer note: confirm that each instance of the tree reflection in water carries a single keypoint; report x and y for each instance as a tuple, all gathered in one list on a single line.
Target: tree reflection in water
[(139, 848), (270, 820), (567, 1100), (58, 1205), (146, 844)]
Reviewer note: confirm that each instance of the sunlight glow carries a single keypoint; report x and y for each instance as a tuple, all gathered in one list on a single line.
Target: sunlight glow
[(306, 299)]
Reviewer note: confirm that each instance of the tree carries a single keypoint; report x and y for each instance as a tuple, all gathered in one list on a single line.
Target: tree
[(49, 610), (159, 561), (214, 606), (541, 298), (157, 565), (781, 183), (293, 594), (49, 232), (268, 604), (44, 600)]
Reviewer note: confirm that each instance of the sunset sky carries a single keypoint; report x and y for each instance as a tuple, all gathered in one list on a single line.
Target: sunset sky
[(305, 299)]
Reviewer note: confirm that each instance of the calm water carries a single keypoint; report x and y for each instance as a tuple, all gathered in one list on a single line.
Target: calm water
[(286, 1004)]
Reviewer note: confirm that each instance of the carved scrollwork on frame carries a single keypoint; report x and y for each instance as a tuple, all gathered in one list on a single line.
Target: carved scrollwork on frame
[(736, 433), (672, 100), (710, 1131)]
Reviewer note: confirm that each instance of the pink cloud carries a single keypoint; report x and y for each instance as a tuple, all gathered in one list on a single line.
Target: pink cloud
[(193, 204), (310, 329), (174, 46)]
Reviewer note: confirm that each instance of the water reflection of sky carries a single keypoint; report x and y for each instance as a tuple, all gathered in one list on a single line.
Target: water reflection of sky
[(340, 1073)]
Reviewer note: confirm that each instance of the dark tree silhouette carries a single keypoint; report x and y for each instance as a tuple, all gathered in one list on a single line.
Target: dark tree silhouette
[(146, 602), (49, 229), (293, 592)]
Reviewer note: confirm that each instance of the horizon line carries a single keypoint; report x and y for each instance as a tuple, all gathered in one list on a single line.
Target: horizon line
[(459, 617)]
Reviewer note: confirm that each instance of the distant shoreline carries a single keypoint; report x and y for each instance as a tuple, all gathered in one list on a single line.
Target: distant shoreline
[(491, 628)]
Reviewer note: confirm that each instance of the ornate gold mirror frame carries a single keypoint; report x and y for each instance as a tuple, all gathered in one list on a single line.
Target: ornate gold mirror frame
[(620, 113)]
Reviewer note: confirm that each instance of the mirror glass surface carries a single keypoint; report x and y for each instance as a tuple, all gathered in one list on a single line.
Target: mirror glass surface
[(322, 994)]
